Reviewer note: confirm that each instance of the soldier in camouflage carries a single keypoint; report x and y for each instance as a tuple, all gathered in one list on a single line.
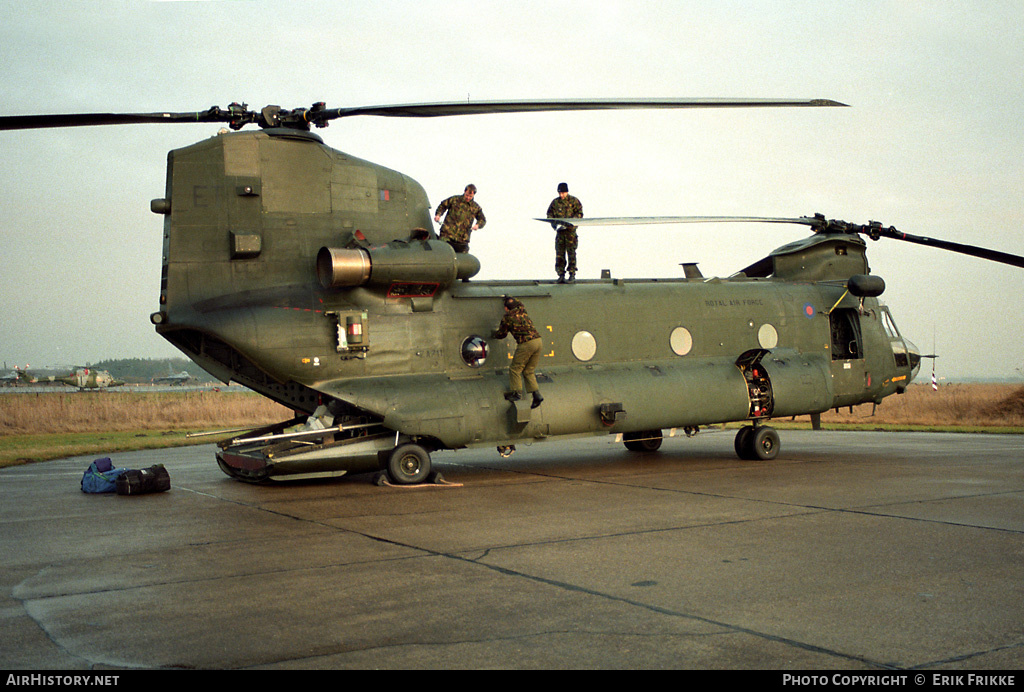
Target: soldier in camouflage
[(460, 213), (528, 346), (565, 206)]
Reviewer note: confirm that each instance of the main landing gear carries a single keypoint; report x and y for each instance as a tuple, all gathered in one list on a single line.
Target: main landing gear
[(408, 464), (643, 441), (757, 443)]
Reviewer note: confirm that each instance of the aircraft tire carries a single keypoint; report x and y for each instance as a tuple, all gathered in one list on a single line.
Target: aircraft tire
[(408, 464), (644, 441), (764, 443), (742, 443)]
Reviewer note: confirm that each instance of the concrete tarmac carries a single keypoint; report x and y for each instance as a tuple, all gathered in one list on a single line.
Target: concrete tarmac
[(851, 551)]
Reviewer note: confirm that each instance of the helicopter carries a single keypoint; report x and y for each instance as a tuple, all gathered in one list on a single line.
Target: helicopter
[(316, 279), (26, 376), (83, 378), (89, 378)]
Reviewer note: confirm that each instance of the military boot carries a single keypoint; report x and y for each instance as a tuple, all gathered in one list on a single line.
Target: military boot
[(571, 279), (561, 278), (537, 398)]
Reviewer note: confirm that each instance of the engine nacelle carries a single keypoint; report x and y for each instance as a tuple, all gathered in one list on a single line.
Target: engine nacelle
[(428, 261)]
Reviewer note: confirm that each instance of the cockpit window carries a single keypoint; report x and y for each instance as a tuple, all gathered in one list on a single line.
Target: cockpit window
[(889, 324), (899, 348)]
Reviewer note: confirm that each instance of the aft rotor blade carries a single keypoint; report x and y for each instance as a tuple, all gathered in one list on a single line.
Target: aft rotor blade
[(431, 110), (237, 116), (34, 122)]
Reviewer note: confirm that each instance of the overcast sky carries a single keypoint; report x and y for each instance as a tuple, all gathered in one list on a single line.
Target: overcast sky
[(932, 143)]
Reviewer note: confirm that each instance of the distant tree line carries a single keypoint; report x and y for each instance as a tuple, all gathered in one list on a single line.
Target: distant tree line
[(137, 370)]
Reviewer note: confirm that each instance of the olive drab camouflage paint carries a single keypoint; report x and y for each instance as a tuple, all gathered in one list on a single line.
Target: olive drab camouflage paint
[(388, 349)]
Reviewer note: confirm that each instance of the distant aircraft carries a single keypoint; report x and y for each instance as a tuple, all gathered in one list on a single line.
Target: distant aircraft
[(86, 378), (83, 378), (180, 378), (24, 376), (10, 378)]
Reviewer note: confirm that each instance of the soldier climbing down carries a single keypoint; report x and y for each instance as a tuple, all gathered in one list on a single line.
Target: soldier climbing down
[(524, 362)]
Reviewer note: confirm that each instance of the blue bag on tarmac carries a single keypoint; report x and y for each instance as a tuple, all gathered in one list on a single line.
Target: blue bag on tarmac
[(101, 477)]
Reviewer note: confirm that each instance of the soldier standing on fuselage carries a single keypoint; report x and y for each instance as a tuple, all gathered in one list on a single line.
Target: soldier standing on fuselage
[(565, 206), (524, 363), (461, 212)]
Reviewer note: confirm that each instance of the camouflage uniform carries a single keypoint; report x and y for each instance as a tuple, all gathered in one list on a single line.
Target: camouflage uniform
[(566, 240), (458, 224), (524, 363)]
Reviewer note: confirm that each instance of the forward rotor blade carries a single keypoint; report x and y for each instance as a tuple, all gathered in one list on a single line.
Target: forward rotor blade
[(431, 110), (973, 250), (873, 230), (644, 220)]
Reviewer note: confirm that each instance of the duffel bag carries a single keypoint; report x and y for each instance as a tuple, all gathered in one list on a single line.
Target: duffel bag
[(101, 477), (155, 479)]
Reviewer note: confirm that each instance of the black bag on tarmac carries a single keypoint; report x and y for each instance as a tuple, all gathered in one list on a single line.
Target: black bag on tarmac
[(155, 479)]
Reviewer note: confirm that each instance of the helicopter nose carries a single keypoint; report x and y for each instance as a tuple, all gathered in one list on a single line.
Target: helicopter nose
[(914, 356)]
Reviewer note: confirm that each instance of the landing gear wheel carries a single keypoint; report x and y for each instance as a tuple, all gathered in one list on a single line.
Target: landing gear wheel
[(644, 441), (764, 444), (408, 464), (742, 443), (757, 444)]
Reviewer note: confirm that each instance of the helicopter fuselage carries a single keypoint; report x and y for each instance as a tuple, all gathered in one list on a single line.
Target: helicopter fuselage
[(316, 279)]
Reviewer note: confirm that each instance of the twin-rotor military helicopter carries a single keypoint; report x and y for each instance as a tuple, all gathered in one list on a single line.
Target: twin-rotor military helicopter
[(316, 279)]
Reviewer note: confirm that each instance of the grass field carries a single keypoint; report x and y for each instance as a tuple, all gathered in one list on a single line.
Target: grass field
[(53, 425), (981, 407)]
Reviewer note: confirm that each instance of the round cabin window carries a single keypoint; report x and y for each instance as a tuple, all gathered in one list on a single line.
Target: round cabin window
[(767, 336), (474, 351), (681, 341), (584, 346)]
